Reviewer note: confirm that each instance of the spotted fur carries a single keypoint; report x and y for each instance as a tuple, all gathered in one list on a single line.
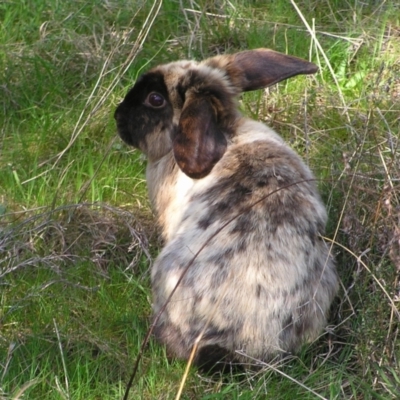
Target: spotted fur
[(263, 284)]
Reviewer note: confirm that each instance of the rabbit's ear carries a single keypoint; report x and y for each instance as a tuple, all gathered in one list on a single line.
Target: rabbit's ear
[(199, 142), (256, 69)]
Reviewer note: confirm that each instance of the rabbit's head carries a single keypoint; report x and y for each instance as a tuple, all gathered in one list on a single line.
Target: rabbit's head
[(190, 107)]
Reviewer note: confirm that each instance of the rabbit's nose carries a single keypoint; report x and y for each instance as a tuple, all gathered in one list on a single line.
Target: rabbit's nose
[(116, 112)]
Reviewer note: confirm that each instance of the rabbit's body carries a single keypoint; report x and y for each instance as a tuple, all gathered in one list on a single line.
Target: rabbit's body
[(260, 279)]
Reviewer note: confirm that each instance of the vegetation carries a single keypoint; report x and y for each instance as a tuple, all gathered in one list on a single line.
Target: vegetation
[(76, 232)]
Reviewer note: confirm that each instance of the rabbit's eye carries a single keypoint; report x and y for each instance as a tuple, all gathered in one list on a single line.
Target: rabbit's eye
[(155, 100)]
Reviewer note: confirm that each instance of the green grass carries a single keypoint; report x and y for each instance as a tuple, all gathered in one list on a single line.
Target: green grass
[(76, 231)]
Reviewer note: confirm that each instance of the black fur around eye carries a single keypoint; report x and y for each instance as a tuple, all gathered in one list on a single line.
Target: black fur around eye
[(155, 100)]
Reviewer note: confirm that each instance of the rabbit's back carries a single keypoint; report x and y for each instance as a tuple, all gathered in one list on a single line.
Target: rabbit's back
[(262, 278)]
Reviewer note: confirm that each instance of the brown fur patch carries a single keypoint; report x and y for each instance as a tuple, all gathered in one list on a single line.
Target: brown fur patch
[(199, 142)]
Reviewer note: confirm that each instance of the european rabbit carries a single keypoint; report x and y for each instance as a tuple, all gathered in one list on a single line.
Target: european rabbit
[(263, 284)]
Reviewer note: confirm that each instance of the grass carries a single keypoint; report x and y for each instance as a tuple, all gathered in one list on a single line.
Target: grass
[(76, 232)]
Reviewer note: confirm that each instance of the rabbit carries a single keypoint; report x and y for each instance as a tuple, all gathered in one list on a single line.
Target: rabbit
[(239, 212)]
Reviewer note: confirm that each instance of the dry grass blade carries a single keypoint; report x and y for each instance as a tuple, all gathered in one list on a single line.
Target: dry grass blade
[(137, 46), (97, 233), (358, 258), (270, 366), (320, 48), (199, 337), (20, 393), (65, 390)]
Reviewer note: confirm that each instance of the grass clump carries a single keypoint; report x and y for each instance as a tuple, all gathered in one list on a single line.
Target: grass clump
[(76, 233)]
